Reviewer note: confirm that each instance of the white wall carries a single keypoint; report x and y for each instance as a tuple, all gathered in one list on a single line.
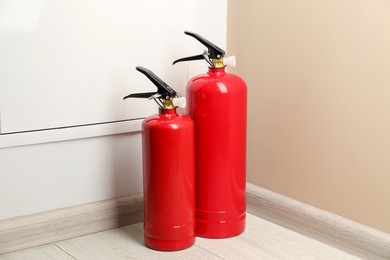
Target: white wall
[(42, 177), (53, 171)]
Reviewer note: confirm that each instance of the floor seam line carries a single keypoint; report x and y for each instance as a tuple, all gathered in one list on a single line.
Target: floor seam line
[(204, 249), (60, 248)]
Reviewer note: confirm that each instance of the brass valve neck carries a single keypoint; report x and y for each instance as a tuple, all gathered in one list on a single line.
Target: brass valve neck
[(218, 63), (168, 103)]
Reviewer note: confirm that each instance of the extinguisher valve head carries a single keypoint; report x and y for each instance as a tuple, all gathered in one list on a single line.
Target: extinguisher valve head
[(229, 61), (179, 102)]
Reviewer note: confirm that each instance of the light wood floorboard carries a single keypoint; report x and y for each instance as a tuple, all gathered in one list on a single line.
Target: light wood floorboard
[(261, 240), (44, 252), (124, 243)]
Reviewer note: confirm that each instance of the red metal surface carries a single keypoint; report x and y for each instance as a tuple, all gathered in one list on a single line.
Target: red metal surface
[(217, 104), (169, 181)]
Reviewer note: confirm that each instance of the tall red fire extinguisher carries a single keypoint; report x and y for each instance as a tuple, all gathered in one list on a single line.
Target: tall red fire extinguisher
[(168, 171), (217, 102)]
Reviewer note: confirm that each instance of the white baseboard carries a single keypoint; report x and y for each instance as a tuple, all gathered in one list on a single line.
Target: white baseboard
[(56, 225), (334, 230)]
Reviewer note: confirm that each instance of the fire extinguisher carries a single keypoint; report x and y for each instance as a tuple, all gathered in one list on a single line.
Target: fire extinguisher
[(217, 102), (168, 171)]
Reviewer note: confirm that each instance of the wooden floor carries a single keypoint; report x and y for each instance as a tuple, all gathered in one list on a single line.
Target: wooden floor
[(261, 240)]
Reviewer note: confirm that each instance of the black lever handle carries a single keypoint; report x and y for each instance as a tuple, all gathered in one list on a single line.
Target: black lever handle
[(164, 91), (196, 57), (141, 95), (213, 51)]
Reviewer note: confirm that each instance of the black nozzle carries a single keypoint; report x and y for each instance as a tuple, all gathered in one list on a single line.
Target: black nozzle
[(213, 51), (163, 90)]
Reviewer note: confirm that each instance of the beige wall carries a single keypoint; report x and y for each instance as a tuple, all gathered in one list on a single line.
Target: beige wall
[(318, 75)]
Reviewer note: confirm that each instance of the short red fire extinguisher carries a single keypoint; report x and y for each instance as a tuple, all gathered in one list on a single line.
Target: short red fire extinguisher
[(217, 102), (168, 171)]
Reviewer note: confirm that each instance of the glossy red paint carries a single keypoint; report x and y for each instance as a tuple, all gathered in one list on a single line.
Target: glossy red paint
[(217, 104), (169, 181)]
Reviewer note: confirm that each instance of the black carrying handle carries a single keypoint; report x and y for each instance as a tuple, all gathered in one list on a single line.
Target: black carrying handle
[(164, 91), (141, 95), (196, 57), (213, 51)]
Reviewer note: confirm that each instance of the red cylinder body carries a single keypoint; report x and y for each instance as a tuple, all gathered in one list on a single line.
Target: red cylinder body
[(169, 181), (217, 104)]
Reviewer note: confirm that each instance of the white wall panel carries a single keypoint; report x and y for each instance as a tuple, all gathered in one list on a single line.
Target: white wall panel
[(77, 62), (51, 86), (42, 177)]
